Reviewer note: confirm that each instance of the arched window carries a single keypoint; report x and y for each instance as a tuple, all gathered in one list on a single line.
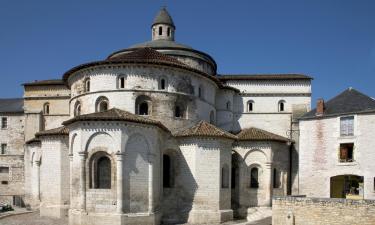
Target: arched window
[(169, 31), (178, 112), (143, 108), (167, 172), (46, 108), (143, 105), (121, 82), (281, 106), (77, 109), (160, 30), (102, 104), (276, 178), (254, 182), (102, 173), (87, 85), (250, 106), (163, 84), (225, 176), (228, 105), (212, 117)]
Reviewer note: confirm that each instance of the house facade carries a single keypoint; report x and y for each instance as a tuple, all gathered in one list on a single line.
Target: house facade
[(336, 148)]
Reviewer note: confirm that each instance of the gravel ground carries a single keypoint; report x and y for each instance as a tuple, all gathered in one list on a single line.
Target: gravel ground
[(32, 219), (35, 219)]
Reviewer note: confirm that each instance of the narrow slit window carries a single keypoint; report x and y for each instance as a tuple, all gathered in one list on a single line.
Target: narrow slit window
[(160, 30), (250, 106), (46, 108), (122, 82), (254, 182)]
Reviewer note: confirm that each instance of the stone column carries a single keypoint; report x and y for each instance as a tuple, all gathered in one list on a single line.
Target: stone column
[(71, 179), (119, 181), (268, 183), (151, 159), (38, 179), (83, 156)]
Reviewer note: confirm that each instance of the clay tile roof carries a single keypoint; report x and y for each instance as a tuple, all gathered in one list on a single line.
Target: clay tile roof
[(45, 82), (264, 77), (256, 134), (34, 140), (146, 55), (204, 129), (115, 114), (11, 105), (350, 101), (53, 132), (141, 56)]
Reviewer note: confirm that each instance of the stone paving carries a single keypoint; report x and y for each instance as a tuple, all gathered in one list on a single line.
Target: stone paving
[(35, 219), (32, 219)]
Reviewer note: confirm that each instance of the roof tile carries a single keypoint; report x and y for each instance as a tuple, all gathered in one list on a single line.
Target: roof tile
[(204, 129), (115, 114), (256, 134), (348, 102)]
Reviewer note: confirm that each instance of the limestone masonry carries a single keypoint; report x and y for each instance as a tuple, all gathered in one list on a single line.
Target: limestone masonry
[(153, 134)]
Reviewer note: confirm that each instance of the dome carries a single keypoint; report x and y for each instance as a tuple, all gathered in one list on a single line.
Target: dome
[(163, 17)]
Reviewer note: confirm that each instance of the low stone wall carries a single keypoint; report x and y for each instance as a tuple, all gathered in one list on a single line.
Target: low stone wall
[(322, 211)]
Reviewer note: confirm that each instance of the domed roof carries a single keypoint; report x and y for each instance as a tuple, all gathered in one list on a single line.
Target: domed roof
[(163, 17), (160, 44)]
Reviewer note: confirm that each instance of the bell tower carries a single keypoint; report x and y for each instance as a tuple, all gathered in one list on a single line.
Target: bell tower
[(163, 27)]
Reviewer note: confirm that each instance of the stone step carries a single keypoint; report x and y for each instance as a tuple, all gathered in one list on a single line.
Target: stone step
[(258, 213)]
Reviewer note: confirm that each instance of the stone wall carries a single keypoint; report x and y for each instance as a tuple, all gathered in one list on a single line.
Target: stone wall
[(322, 211), (11, 162)]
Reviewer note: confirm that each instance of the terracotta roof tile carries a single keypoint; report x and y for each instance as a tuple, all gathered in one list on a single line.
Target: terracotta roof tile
[(34, 140), (115, 114), (45, 82), (204, 129), (146, 55), (256, 134), (56, 131)]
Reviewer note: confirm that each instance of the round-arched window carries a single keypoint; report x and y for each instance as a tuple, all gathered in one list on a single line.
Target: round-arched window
[(102, 104)]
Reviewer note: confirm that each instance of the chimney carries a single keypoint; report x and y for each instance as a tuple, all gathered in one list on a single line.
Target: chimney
[(320, 107)]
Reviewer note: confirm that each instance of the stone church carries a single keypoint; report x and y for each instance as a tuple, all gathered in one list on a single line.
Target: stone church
[(152, 134)]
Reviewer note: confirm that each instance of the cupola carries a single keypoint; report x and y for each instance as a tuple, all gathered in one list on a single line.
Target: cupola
[(163, 27)]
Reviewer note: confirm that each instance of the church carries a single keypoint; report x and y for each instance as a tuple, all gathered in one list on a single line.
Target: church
[(153, 134)]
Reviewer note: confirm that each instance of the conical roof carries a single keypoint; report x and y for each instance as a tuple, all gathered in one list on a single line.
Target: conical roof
[(163, 17)]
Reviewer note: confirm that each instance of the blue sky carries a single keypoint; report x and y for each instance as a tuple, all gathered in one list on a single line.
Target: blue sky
[(331, 40)]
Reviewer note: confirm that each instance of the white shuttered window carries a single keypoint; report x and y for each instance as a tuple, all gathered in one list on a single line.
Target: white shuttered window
[(347, 126)]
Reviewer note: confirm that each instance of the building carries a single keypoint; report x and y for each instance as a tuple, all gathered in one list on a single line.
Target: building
[(152, 133), (12, 140), (336, 148)]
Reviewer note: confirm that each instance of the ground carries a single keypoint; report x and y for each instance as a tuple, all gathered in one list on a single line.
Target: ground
[(35, 219)]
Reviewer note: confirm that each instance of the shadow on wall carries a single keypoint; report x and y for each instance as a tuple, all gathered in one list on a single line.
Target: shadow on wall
[(294, 173), (238, 114), (243, 194), (179, 196)]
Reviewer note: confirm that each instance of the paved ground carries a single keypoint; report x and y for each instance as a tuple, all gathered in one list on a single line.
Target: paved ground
[(34, 219)]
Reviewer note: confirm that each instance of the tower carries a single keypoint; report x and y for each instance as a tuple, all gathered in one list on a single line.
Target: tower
[(163, 27)]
